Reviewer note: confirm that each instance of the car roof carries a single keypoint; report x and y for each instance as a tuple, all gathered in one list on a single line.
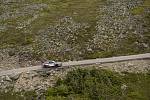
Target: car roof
[(49, 61)]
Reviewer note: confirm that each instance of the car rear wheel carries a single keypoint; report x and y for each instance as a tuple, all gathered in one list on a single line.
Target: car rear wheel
[(46, 66)]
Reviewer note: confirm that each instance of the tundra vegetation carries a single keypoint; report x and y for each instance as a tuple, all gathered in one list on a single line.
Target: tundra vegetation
[(73, 29), (33, 30), (92, 84)]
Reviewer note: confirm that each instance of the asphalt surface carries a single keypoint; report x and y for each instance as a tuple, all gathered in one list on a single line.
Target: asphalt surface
[(82, 62)]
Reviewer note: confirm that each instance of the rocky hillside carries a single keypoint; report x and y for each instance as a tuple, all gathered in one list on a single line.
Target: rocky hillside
[(35, 30), (39, 81)]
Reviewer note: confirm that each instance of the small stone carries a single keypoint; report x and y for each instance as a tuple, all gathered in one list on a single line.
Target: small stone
[(7, 78), (124, 87), (15, 77), (27, 72), (145, 45), (2, 81)]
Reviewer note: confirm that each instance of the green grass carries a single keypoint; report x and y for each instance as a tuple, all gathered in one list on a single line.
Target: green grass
[(10, 95), (85, 12), (81, 11), (140, 9), (93, 84), (137, 10)]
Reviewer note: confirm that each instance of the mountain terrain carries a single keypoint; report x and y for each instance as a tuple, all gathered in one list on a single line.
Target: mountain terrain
[(32, 31)]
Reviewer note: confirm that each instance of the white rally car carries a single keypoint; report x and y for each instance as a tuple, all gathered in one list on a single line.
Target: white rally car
[(49, 64)]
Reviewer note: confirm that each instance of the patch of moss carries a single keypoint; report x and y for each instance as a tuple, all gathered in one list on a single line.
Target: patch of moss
[(94, 84), (146, 3), (137, 10), (140, 9), (10, 95), (81, 11)]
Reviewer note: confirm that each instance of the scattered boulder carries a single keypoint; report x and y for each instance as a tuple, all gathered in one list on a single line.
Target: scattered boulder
[(7, 78), (14, 77)]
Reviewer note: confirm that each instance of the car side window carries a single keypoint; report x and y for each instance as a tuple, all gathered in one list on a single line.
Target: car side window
[(50, 62)]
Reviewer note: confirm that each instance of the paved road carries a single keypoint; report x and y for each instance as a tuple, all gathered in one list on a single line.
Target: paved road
[(82, 62)]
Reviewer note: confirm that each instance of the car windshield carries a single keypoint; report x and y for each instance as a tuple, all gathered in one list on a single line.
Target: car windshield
[(51, 62)]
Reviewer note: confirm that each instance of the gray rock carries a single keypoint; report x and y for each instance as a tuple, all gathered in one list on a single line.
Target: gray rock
[(14, 76), (7, 78)]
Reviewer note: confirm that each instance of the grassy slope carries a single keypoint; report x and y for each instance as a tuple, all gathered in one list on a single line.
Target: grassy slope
[(50, 15), (101, 85), (92, 84), (30, 95), (81, 12), (126, 46)]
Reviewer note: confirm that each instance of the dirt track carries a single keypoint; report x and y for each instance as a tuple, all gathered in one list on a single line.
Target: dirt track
[(83, 62)]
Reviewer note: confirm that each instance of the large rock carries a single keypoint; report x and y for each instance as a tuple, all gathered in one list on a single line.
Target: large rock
[(7, 78), (14, 76)]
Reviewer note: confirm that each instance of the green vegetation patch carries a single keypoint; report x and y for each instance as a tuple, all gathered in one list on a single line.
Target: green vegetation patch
[(22, 22), (18, 33), (93, 84), (137, 10), (140, 9), (10, 95)]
